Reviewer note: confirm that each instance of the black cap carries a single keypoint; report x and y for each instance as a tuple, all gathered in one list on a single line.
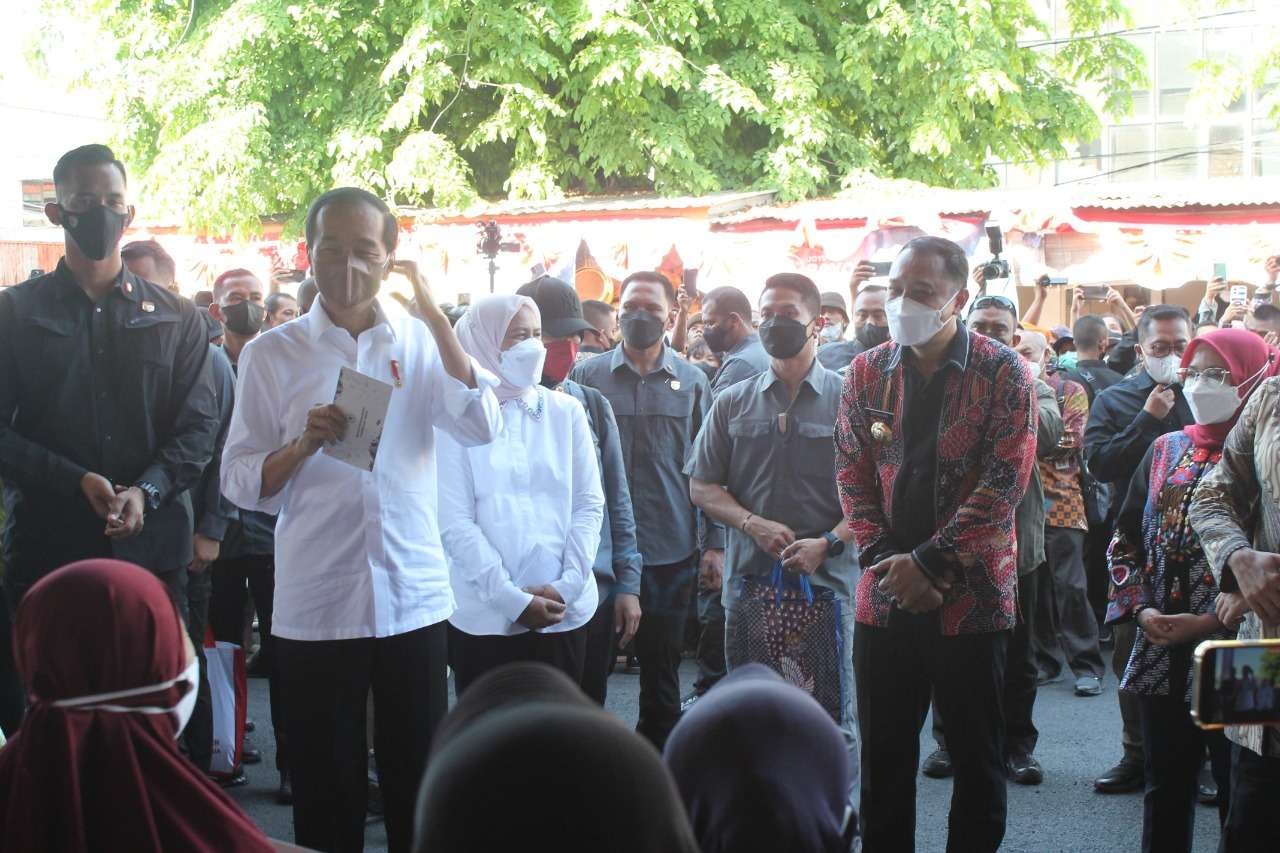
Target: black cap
[(559, 305)]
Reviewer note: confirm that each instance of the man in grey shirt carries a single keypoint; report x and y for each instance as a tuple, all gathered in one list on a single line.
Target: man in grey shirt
[(727, 329), (660, 402), (764, 466)]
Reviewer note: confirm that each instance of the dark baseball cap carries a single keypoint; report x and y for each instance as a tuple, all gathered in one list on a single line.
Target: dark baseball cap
[(559, 305)]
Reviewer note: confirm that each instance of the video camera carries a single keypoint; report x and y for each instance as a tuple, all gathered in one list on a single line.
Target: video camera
[(997, 267)]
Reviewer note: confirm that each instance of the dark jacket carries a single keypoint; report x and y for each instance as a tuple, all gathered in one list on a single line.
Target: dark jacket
[(1120, 430)]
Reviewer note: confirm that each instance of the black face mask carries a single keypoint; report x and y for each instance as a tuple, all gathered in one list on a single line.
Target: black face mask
[(871, 336), (717, 337), (783, 337), (641, 330), (96, 231), (244, 318)]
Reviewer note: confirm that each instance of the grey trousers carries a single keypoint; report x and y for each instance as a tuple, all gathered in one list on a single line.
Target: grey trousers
[(1064, 619)]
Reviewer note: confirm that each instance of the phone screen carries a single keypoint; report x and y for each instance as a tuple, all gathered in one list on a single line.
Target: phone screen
[(1239, 294), (1095, 292), (882, 267), (1220, 270), (1237, 682)]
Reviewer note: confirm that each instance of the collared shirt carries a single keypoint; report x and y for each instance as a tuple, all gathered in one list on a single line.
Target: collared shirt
[(121, 387), (214, 514), (249, 533), (659, 415), (784, 475), (522, 511), (984, 437), (618, 561), (837, 355), (1060, 465), (744, 361), (1120, 430), (358, 553)]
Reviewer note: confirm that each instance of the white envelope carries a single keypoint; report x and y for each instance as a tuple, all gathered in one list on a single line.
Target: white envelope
[(365, 401)]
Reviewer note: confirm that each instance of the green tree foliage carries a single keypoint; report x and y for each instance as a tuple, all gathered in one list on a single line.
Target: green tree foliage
[(232, 108)]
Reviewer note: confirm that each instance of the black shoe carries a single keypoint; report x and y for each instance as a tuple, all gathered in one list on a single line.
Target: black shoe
[(250, 755), (1025, 770), (1121, 779), (1207, 790), (687, 702), (633, 665), (235, 780), (284, 794), (250, 727), (937, 765)]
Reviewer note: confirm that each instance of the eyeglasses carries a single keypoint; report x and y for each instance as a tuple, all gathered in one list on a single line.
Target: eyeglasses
[(1213, 374), (1160, 349), (998, 301)]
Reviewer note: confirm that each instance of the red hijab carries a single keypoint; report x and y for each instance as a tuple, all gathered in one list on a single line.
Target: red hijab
[(1250, 360), (78, 780)]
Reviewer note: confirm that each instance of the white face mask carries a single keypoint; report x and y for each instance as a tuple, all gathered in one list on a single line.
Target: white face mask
[(911, 323), (1163, 370), (521, 365), (832, 333), (1211, 402), (180, 712), (1035, 369)]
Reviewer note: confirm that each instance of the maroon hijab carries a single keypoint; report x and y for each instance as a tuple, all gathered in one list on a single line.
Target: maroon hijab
[(78, 780), (1250, 360)]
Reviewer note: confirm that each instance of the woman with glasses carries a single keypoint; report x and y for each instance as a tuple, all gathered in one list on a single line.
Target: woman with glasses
[(1161, 579)]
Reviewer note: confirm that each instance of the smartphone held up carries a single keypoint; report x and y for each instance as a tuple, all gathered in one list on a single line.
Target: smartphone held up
[(1236, 683)]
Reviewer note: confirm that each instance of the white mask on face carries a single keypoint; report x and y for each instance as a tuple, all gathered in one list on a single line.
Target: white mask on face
[(1163, 370), (831, 333), (1035, 369), (521, 365), (912, 323), (1211, 402), (180, 712)]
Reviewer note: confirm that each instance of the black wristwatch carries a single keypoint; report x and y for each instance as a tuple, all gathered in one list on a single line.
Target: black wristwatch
[(152, 494), (835, 545)]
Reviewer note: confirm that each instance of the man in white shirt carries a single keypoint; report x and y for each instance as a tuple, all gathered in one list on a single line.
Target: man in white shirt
[(362, 589)]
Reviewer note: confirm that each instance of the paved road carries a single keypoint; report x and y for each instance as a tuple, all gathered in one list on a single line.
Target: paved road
[(1078, 739)]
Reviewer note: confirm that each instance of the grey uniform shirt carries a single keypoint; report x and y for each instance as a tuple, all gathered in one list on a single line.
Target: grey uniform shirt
[(744, 361), (787, 476), (659, 415)]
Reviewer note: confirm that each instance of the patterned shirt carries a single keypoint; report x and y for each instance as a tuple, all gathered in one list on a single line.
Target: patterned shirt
[(1228, 515), (986, 445), (1060, 467), (1156, 561)]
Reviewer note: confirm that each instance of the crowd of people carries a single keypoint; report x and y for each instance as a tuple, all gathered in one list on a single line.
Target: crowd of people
[(922, 501)]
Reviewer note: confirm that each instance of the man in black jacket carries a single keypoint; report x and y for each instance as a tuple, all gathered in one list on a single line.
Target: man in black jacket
[(107, 407), (1123, 422)]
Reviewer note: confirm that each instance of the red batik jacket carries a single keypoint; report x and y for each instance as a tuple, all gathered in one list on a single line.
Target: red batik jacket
[(986, 450)]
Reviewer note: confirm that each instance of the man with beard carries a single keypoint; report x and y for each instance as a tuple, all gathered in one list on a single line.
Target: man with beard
[(362, 589), (107, 406), (870, 328)]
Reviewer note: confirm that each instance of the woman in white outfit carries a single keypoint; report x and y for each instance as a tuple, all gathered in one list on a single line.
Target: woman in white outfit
[(520, 518)]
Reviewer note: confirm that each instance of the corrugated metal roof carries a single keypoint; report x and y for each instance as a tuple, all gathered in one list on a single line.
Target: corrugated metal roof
[(1216, 192), (715, 203)]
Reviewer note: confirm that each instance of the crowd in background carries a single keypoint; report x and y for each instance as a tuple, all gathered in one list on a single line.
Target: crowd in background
[(870, 506)]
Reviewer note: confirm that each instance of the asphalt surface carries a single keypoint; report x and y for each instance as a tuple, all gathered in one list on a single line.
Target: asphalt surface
[(1079, 738)]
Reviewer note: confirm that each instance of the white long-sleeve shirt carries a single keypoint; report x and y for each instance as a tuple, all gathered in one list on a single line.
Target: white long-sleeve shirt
[(522, 511), (358, 553)]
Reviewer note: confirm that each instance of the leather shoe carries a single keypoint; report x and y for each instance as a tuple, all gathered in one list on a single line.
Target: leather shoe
[(1207, 789), (1088, 685), (1121, 779), (1025, 770), (250, 755), (687, 702), (284, 794), (235, 780), (937, 765)]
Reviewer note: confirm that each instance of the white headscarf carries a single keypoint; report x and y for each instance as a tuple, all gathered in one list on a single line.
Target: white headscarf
[(482, 329)]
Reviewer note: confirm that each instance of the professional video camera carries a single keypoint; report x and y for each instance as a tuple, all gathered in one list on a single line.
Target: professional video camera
[(997, 267)]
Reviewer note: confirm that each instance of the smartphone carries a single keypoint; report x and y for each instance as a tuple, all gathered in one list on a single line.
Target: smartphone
[(1220, 271), (690, 282), (464, 299), (1236, 683), (882, 267), (1057, 282), (1094, 292), (1239, 294)]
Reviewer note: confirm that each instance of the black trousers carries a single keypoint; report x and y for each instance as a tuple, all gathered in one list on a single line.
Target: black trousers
[(234, 580), (711, 657), (1174, 754), (896, 670), (1253, 818), (665, 595), (1126, 634), (472, 655), (1020, 732), (198, 734), (602, 644), (12, 694), (328, 684)]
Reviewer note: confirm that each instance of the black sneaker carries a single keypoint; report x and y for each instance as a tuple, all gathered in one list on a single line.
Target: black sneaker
[(234, 780), (688, 702), (284, 794), (938, 765)]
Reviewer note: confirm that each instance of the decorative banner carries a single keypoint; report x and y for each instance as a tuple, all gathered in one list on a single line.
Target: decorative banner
[(1155, 257)]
